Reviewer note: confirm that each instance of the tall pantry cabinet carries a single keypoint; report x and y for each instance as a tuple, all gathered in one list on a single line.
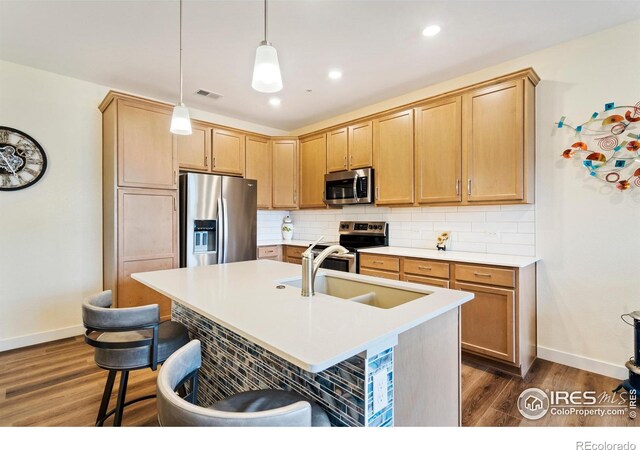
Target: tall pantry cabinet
[(139, 184)]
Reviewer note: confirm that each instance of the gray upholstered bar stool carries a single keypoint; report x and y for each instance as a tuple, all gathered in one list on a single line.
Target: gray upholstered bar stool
[(265, 408), (127, 339)]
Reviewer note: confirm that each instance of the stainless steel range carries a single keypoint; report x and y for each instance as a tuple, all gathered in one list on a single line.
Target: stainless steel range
[(354, 236)]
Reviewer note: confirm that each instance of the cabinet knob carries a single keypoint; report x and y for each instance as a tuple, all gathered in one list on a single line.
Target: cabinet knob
[(345, 160)]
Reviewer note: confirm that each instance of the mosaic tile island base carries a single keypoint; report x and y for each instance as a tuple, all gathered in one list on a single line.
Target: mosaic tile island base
[(231, 364)]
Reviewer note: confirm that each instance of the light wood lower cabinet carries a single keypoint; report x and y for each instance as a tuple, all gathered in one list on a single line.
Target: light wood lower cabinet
[(293, 254), (488, 321), (498, 325)]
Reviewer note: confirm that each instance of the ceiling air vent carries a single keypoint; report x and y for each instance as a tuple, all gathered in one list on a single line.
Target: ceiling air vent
[(209, 94)]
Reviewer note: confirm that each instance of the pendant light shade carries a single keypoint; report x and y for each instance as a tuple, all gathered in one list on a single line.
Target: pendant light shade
[(266, 69), (180, 120)]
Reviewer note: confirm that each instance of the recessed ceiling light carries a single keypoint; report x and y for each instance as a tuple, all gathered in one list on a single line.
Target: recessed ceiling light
[(431, 30), (274, 101), (335, 74)]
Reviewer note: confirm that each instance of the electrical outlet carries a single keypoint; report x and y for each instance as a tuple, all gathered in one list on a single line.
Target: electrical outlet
[(380, 398)]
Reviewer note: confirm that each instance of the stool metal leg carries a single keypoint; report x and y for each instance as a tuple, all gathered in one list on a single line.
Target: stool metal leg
[(124, 378), (106, 395)]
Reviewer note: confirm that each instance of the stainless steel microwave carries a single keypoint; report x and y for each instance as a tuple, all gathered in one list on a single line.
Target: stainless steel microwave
[(349, 187)]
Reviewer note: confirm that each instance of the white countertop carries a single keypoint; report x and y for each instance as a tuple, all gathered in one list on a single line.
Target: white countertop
[(313, 333), (467, 257), (283, 242)]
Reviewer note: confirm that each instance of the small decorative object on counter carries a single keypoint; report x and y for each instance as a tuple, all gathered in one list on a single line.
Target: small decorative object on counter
[(442, 241), (287, 228)]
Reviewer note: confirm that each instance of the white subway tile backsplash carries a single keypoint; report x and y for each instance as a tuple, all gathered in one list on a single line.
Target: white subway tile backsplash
[(507, 229)]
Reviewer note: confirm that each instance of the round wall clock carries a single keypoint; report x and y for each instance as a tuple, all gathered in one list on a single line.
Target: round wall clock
[(22, 160)]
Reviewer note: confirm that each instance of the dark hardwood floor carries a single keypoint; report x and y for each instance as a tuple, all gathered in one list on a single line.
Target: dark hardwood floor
[(58, 384)]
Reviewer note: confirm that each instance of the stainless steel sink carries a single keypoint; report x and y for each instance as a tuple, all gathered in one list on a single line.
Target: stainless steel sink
[(362, 292)]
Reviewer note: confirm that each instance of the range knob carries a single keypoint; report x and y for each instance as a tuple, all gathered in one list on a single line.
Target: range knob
[(370, 227)]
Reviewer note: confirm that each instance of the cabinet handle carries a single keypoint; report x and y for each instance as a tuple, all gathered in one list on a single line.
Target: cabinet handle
[(469, 186), (205, 161), (377, 193), (424, 267), (174, 203), (378, 262), (345, 160), (214, 161), (175, 177), (457, 186), (484, 275), (351, 160)]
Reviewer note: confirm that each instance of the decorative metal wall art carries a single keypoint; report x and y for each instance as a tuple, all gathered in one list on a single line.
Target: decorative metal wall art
[(609, 145), (22, 160)]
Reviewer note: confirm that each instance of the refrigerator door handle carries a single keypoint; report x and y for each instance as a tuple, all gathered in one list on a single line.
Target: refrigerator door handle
[(225, 230), (220, 233)]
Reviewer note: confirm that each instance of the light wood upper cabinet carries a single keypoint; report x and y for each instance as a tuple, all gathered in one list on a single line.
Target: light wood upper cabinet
[(439, 151), (313, 161), (337, 150), (147, 154), (227, 152), (393, 158), (194, 150), (259, 167), (285, 173), (361, 145), (493, 142)]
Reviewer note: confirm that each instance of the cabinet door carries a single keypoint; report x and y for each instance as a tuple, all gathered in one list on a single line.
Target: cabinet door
[(147, 154), (493, 142), (227, 152), (313, 162), (147, 240), (393, 158), (285, 173), (439, 151), (258, 167), (361, 145), (488, 322), (337, 144), (194, 150)]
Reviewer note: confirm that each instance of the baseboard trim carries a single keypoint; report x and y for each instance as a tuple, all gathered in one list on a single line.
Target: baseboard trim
[(39, 338), (616, 371)]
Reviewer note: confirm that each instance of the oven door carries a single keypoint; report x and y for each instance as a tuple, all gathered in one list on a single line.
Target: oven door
[(341, 263), (349, 187)]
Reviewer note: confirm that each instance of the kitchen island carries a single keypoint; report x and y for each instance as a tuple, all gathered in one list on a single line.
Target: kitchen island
[(258, 332)]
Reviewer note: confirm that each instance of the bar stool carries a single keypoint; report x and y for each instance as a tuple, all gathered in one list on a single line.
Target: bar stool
[(127, 339), (264, 408)]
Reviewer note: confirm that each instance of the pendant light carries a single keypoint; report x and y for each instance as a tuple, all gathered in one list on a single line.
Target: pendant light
[(180, 120), (266, 70)]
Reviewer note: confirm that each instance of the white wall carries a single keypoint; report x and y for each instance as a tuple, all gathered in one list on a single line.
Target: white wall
[(586, 233), (51, 233)]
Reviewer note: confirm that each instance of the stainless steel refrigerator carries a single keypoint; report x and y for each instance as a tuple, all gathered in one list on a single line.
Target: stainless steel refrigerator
[(217, 219)]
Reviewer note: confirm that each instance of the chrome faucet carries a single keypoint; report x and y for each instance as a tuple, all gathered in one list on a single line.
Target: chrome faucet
[(311, 264)]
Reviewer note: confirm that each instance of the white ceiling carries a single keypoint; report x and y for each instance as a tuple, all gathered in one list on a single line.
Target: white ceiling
[(133, 46)]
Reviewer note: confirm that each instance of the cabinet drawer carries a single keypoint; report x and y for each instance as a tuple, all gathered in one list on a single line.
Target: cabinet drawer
[(426, 280), (426, 268), (268, 252), (380, 262), (294, 260), (295, 252), (380, 274), (486, 275)]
